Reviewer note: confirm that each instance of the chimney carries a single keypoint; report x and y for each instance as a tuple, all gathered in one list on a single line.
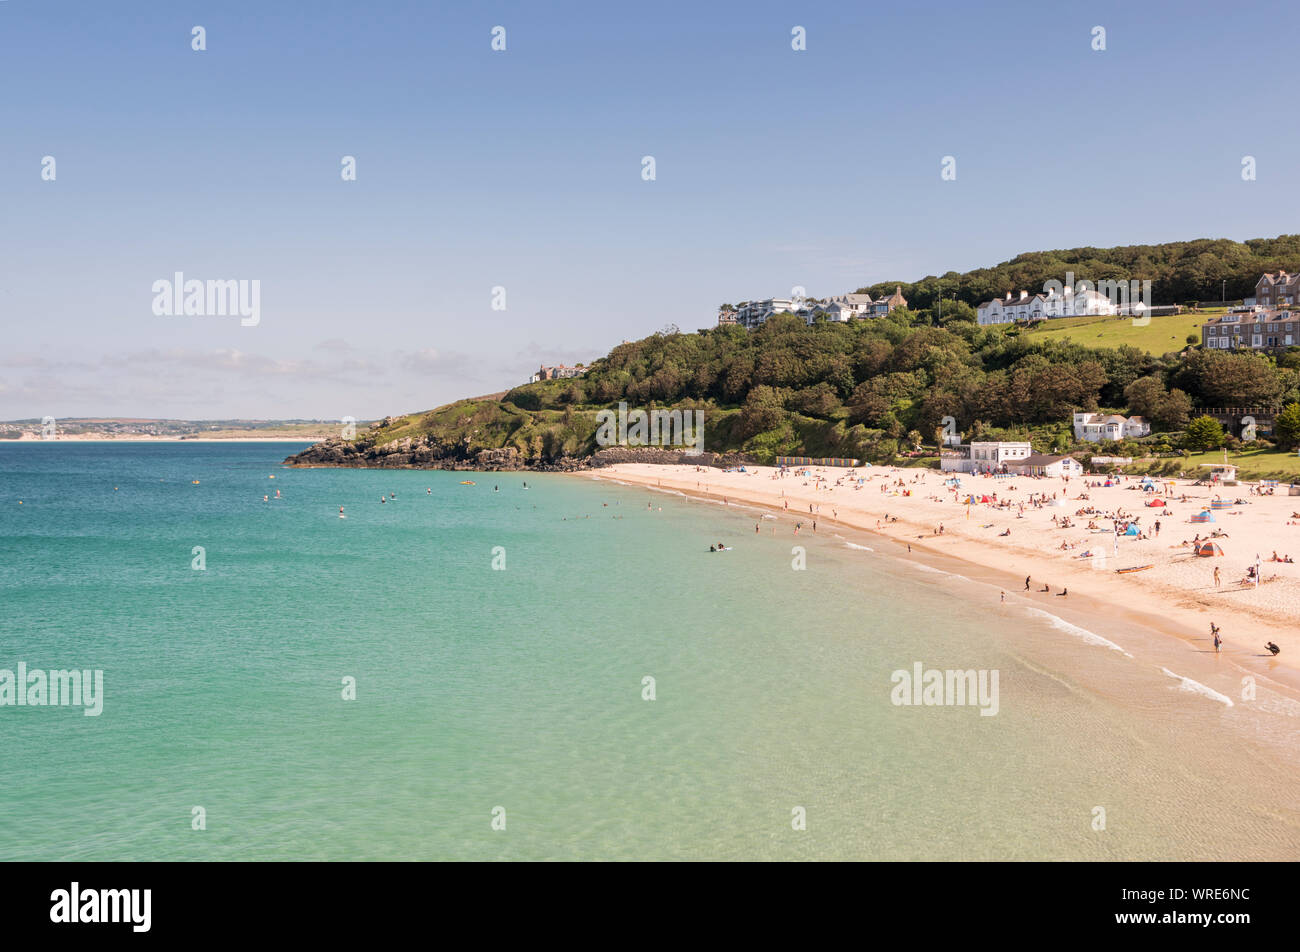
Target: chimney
[(1023, 295), (1008, 295)]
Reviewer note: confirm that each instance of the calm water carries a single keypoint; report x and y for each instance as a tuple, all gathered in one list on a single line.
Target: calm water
[(522, 688)]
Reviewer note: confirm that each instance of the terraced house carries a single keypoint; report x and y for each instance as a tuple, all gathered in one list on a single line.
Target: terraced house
[(1027, 307), (1253, 327)]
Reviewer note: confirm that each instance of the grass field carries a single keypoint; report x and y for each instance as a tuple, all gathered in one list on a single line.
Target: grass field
[(1251, 465), (1160, 336)]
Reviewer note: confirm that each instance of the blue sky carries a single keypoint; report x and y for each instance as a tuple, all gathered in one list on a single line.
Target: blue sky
[(522, 169)]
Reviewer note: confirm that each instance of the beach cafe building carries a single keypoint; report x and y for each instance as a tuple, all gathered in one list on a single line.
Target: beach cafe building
[(983, 457), (1040, 464)]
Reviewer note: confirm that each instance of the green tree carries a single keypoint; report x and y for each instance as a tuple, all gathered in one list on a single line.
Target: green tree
[(1204, 433), (1286, 426), (1173, 410), (1145, 395)]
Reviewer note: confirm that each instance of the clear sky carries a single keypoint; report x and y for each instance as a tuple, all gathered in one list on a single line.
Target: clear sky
[(522, 169)]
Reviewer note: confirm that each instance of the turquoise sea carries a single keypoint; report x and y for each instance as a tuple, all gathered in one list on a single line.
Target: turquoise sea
[(521, 688)]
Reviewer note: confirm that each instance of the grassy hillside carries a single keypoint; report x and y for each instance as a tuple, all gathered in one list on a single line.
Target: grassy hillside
[(1162, 335)]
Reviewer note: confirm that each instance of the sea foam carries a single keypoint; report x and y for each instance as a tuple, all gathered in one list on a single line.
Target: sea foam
[(1090, 637), (1196, 687)]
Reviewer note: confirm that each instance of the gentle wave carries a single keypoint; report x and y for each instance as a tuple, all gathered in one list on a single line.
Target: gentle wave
[(1091, 637), (928, 568), (1196, 687), (864, 548)]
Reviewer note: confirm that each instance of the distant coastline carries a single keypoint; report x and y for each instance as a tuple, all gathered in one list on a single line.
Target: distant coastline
[(100, 438)]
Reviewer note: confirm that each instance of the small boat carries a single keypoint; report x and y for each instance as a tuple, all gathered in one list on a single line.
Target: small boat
[(468, 482), (1134, 568)]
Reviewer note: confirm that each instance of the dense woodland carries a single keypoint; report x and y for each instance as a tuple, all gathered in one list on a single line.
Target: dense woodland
[(1180, 272)]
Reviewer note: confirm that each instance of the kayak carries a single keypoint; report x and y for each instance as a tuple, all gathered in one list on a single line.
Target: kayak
[(468, 482)]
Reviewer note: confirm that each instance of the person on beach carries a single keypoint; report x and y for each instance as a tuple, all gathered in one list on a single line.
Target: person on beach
[(1063, 592), (1216, 576), (1214, 631), (1045, 588), (1004, 596), (1027, 583), (1272, 647)]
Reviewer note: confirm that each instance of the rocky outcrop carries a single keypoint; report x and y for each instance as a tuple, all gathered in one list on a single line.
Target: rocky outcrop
[(426, 453)]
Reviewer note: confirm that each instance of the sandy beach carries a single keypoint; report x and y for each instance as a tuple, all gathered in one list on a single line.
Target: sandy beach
[(1015, 529)]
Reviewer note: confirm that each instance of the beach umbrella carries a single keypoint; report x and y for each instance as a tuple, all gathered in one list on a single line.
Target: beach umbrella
[(1209, 550)]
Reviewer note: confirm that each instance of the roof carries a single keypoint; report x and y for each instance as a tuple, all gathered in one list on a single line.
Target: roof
[(1038, 459)]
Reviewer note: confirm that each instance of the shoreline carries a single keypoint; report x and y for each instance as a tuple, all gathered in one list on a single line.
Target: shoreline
[(166, 439), (1096, 599)]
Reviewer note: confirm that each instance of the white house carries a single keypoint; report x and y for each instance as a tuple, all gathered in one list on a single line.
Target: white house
[(1094, 427), (1066, 303)]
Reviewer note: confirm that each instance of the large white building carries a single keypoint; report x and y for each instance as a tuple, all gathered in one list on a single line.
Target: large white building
[(752, 314), (1095, 427), (1027, 307)]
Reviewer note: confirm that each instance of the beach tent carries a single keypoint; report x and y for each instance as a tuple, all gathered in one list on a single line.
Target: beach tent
[(1222, 504), (985, 499), (1132, 530), (1156, 503), (1204, 516), (1209, 549)]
